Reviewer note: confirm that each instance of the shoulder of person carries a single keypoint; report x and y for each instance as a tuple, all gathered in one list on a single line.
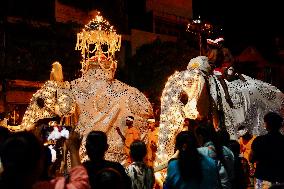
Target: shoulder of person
[(204, 150), (207, 158), (87, 163), (114, 164), (259, 139), (204, 157), (172, 161), (120, 168), (228, 151), (149, 169), (211, 163)]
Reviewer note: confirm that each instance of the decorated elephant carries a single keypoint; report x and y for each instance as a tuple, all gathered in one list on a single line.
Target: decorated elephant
[(227, 103), (194, 84), (96, 100), (53, 99), (104, 103)]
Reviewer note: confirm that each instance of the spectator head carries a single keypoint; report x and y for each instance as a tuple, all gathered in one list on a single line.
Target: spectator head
[(242, 130), (189, 158), (108, 178), (96, 144), (129, 120), (138, 150), (22, 158), (205, 133), (244, 133), (185, 140), (224, 137), (4, 133), (235, 147), (152, 123), (191, 124), (273, 121)]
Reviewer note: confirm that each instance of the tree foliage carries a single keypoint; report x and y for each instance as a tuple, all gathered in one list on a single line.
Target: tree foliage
[(30, 51), (153, 63)]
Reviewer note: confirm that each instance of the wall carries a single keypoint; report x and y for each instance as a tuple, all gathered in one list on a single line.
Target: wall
[(65, 13), (139, 38), (16, 96), (182, 8)]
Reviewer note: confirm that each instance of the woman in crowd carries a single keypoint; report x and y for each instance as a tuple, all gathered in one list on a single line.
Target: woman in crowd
[(223, 156), (191, 169)]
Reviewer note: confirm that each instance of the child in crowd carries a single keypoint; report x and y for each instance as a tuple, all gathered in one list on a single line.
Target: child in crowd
[(142, 176)]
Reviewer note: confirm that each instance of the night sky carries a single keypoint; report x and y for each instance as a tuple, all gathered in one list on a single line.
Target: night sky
[(245, 22)]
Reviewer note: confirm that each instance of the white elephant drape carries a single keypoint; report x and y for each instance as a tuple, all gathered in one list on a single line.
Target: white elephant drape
[(252, 99)]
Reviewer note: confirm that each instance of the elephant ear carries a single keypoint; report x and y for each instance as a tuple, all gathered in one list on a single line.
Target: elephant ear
[(139, 106), (40, 102)]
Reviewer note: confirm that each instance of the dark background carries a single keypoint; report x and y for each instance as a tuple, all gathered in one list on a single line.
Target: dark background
[(246, 22)]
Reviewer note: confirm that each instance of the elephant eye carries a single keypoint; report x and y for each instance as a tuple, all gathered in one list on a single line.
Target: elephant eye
[(183, 97), (40, 102)]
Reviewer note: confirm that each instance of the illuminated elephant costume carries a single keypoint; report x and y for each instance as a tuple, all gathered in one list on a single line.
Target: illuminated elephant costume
[(98, 101), (251, 99), (193, 83), (51, 100), (104, 103)]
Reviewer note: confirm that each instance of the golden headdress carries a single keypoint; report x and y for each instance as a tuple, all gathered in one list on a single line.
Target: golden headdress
[(98, 39)]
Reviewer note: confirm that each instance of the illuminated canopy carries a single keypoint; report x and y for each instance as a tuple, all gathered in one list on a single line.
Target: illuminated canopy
[(98, 38)]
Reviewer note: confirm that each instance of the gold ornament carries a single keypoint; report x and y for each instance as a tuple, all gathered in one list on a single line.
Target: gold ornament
[(98, 38)]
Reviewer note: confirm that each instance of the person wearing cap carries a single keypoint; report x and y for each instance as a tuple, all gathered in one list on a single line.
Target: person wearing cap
[(216, 52), (131, 134), (218, 56), (152, 141), (222, 60), (212, 51)]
